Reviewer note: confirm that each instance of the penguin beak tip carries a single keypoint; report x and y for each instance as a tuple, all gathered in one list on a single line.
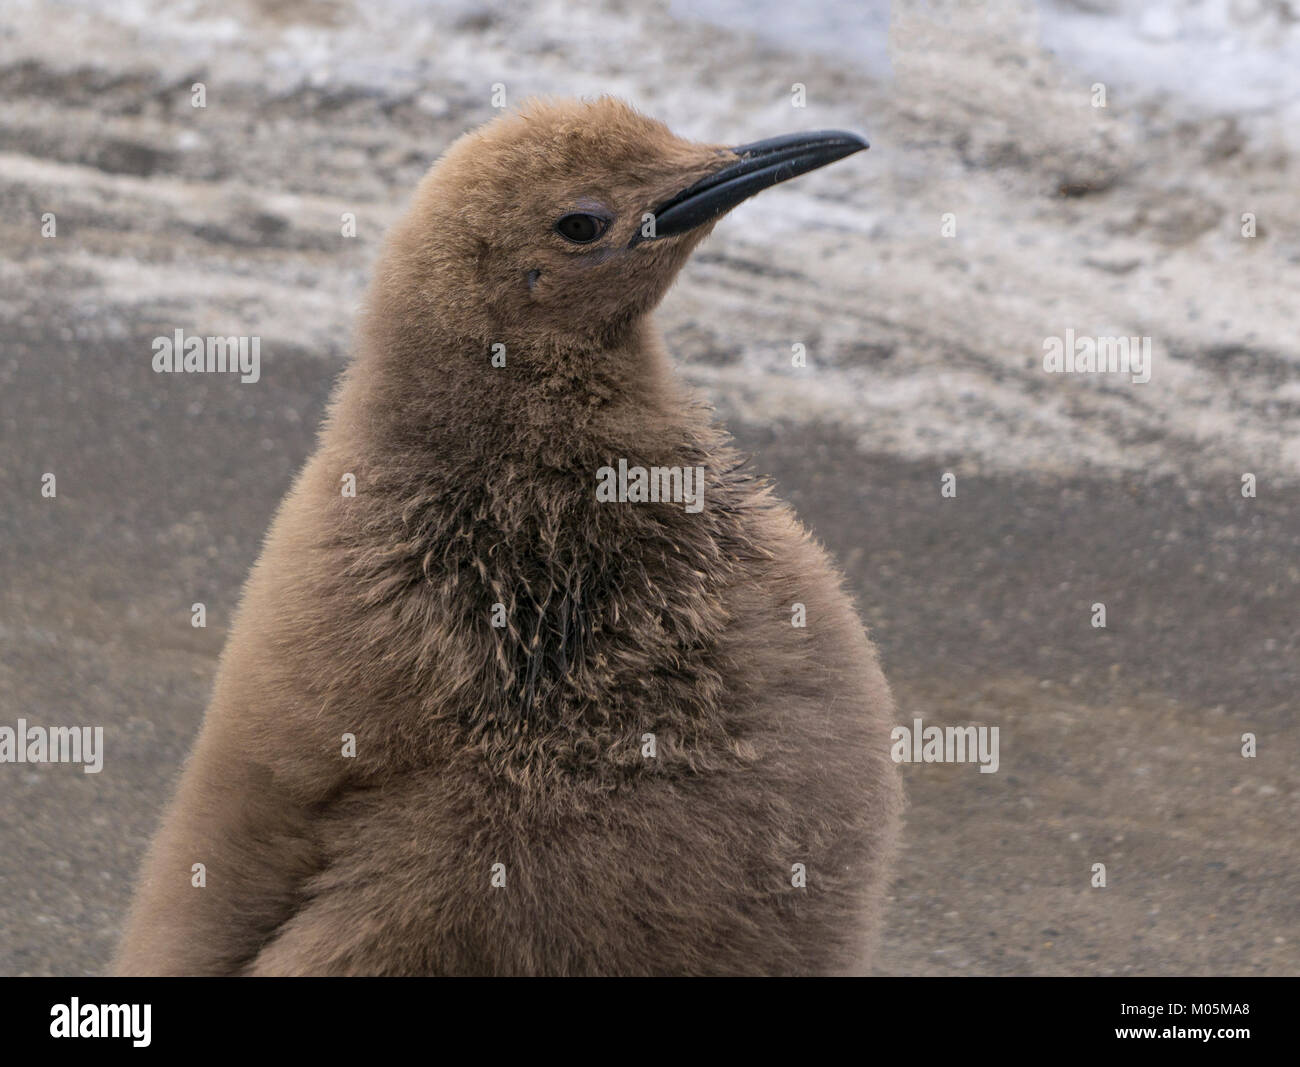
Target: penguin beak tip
[(752, 168)]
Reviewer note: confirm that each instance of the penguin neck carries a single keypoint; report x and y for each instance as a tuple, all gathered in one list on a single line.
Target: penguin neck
[(525, 401)]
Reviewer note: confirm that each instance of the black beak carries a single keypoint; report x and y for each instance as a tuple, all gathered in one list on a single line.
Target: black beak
[(760, 165)]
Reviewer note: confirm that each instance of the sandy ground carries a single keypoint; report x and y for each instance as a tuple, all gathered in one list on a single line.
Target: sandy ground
[(1119, 746)]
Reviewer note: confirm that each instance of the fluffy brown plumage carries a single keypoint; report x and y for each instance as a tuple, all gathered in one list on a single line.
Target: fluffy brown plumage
[(523, 745)]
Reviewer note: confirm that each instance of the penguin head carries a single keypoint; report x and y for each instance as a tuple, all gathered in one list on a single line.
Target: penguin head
[(557, 226)]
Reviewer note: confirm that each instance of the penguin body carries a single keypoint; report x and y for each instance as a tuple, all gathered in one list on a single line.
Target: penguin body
[(587, 736)]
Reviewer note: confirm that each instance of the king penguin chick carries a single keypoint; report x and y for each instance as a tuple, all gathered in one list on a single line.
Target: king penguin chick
[(481, 716)]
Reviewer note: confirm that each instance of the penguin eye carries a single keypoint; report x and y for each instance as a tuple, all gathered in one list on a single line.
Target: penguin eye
[(581, 228)]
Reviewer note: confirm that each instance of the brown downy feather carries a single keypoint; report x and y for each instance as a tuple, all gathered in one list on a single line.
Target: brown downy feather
[(523, 745)]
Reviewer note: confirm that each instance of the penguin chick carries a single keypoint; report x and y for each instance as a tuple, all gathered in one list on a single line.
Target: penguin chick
[(490, 715)]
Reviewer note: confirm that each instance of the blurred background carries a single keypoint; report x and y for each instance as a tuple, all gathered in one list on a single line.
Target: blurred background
[(1119, 746)]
